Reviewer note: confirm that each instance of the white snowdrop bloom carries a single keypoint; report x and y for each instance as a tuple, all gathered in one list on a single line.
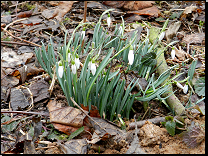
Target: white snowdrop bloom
[(173, 53), (108, 20), (83, 34), (185, 89), (93, 68), (60, 71), (179, 85), (147, 31), (73, 68), (162, 36), (69, 57), (131, 55), (89, 65), (77, 62)]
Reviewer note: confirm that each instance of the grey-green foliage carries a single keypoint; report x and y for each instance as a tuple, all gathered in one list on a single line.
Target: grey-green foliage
[(104, 89)]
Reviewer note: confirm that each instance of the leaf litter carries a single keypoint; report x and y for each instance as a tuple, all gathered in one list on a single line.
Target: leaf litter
[(99, 130)]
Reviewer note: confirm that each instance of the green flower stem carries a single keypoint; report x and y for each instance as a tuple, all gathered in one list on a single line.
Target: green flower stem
[(68, 45)]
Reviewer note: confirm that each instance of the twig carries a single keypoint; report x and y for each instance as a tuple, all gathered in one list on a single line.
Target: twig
[(15, 22), (20, 38), (84, 20), (145, 113), (142, 122), (18, 4), (25, 112), (11, 42)]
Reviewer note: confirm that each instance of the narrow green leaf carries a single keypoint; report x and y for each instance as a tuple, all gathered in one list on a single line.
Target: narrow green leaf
[(76, 133)]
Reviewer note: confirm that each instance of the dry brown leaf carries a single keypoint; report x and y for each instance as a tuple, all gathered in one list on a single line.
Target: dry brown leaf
[(65, 115), (63, 8), (194, 38), (115, 4), (172, 30), (180, 54), (69, 129), (9, 58), (189, 9), (137, 5), (152, 11), (60, 11), (25, 14), (129, 5), (105, 130)]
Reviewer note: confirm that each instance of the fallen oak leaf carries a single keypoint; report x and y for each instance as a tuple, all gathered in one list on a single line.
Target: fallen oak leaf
[(137, 5), (60, 11), (129, 5), (65, 115), (193, 38), (152, 11)]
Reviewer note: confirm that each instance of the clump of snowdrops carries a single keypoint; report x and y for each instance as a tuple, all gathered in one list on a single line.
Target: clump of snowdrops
[(97, 85)]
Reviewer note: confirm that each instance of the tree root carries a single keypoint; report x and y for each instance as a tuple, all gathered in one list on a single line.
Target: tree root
[(172, 101)]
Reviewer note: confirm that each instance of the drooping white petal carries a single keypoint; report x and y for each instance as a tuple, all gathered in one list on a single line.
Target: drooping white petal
[(108, 21), (83, 34), (69, 57), (77, 62), (147, 32), (93, 68), (73, 68), (131, 57), (185, 89), (89, 65), (173, 54), (179, 85), (60, 71), (162, 36)]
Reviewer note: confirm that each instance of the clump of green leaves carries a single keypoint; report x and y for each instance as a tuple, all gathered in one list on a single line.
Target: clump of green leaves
[(102, 87)]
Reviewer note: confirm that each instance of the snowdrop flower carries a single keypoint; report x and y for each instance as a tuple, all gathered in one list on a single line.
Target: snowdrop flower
[(179, 85), (93, 68), (60, 70), (108, 20), (147, 32), (173, 53), (185, 89), (69, 57), (89, 65), (83, 33), (162, 36), (77, 62), (131, 55), (73, 68)]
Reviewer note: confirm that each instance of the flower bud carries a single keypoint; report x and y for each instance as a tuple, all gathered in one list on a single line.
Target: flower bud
[(179, 85), (73, 68), (93, 68), (173, 53), (185, 89), (108, 20), (162, 36), (77, 62), (131, 55), (60, 71)]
